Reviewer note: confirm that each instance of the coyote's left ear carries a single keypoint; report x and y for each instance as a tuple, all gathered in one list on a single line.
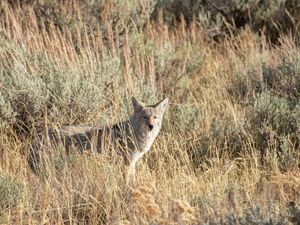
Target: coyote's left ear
[(162, 105), (137, 105)]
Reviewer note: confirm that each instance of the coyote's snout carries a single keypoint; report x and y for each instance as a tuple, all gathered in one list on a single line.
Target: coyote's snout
[(131, 138)]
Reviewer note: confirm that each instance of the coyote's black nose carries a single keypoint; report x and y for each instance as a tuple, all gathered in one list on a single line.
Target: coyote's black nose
[(151, 127)]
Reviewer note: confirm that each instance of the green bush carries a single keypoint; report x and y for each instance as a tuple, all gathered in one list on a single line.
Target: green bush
[(226, 17), (284, 79), (10, 192), (274, 113), (254, 215), (25, 94), (275, 129), (75, 15)]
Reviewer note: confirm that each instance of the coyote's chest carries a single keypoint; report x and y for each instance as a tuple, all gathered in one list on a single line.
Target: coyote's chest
[(147, 141)]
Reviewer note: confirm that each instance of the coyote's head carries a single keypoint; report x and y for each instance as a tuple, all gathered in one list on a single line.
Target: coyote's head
[(147, 119)]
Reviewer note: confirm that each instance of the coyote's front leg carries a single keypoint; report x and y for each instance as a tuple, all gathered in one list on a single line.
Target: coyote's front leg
[(131, 170)]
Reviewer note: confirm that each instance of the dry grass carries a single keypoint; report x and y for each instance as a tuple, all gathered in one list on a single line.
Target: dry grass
[(228, 152)]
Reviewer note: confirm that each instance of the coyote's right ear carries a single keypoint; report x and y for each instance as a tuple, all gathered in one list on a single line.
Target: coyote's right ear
[(137, 105), (162, 105)]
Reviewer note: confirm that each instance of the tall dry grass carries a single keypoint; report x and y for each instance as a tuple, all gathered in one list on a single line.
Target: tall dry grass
[(228, 152)]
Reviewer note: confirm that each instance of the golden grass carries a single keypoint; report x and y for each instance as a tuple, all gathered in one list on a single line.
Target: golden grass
[(197, 172)]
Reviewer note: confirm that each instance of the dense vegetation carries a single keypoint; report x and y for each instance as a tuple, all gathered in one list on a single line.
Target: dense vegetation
[(228, 152)]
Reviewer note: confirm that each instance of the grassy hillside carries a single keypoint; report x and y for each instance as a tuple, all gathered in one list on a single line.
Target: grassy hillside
[(228, 152)]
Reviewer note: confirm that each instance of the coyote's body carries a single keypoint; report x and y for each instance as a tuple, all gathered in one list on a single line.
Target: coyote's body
[(131, 138)]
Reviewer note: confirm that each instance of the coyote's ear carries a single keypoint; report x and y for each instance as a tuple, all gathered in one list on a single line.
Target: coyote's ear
[(137, 105), (162, 105)]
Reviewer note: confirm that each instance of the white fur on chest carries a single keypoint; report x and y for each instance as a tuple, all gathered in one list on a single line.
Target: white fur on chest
[(148, 140), (144, 148)]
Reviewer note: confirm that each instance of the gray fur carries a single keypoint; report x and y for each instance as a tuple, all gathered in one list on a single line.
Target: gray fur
[(131, 138)]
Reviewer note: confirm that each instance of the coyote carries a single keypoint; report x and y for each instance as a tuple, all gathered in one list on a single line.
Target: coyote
[(131, 138)]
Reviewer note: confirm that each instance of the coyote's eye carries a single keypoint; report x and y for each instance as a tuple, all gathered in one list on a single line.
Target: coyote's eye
[(155, 117), (145, 117)]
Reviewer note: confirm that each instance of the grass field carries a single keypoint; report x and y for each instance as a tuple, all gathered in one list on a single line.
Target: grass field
[(228, 152)]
